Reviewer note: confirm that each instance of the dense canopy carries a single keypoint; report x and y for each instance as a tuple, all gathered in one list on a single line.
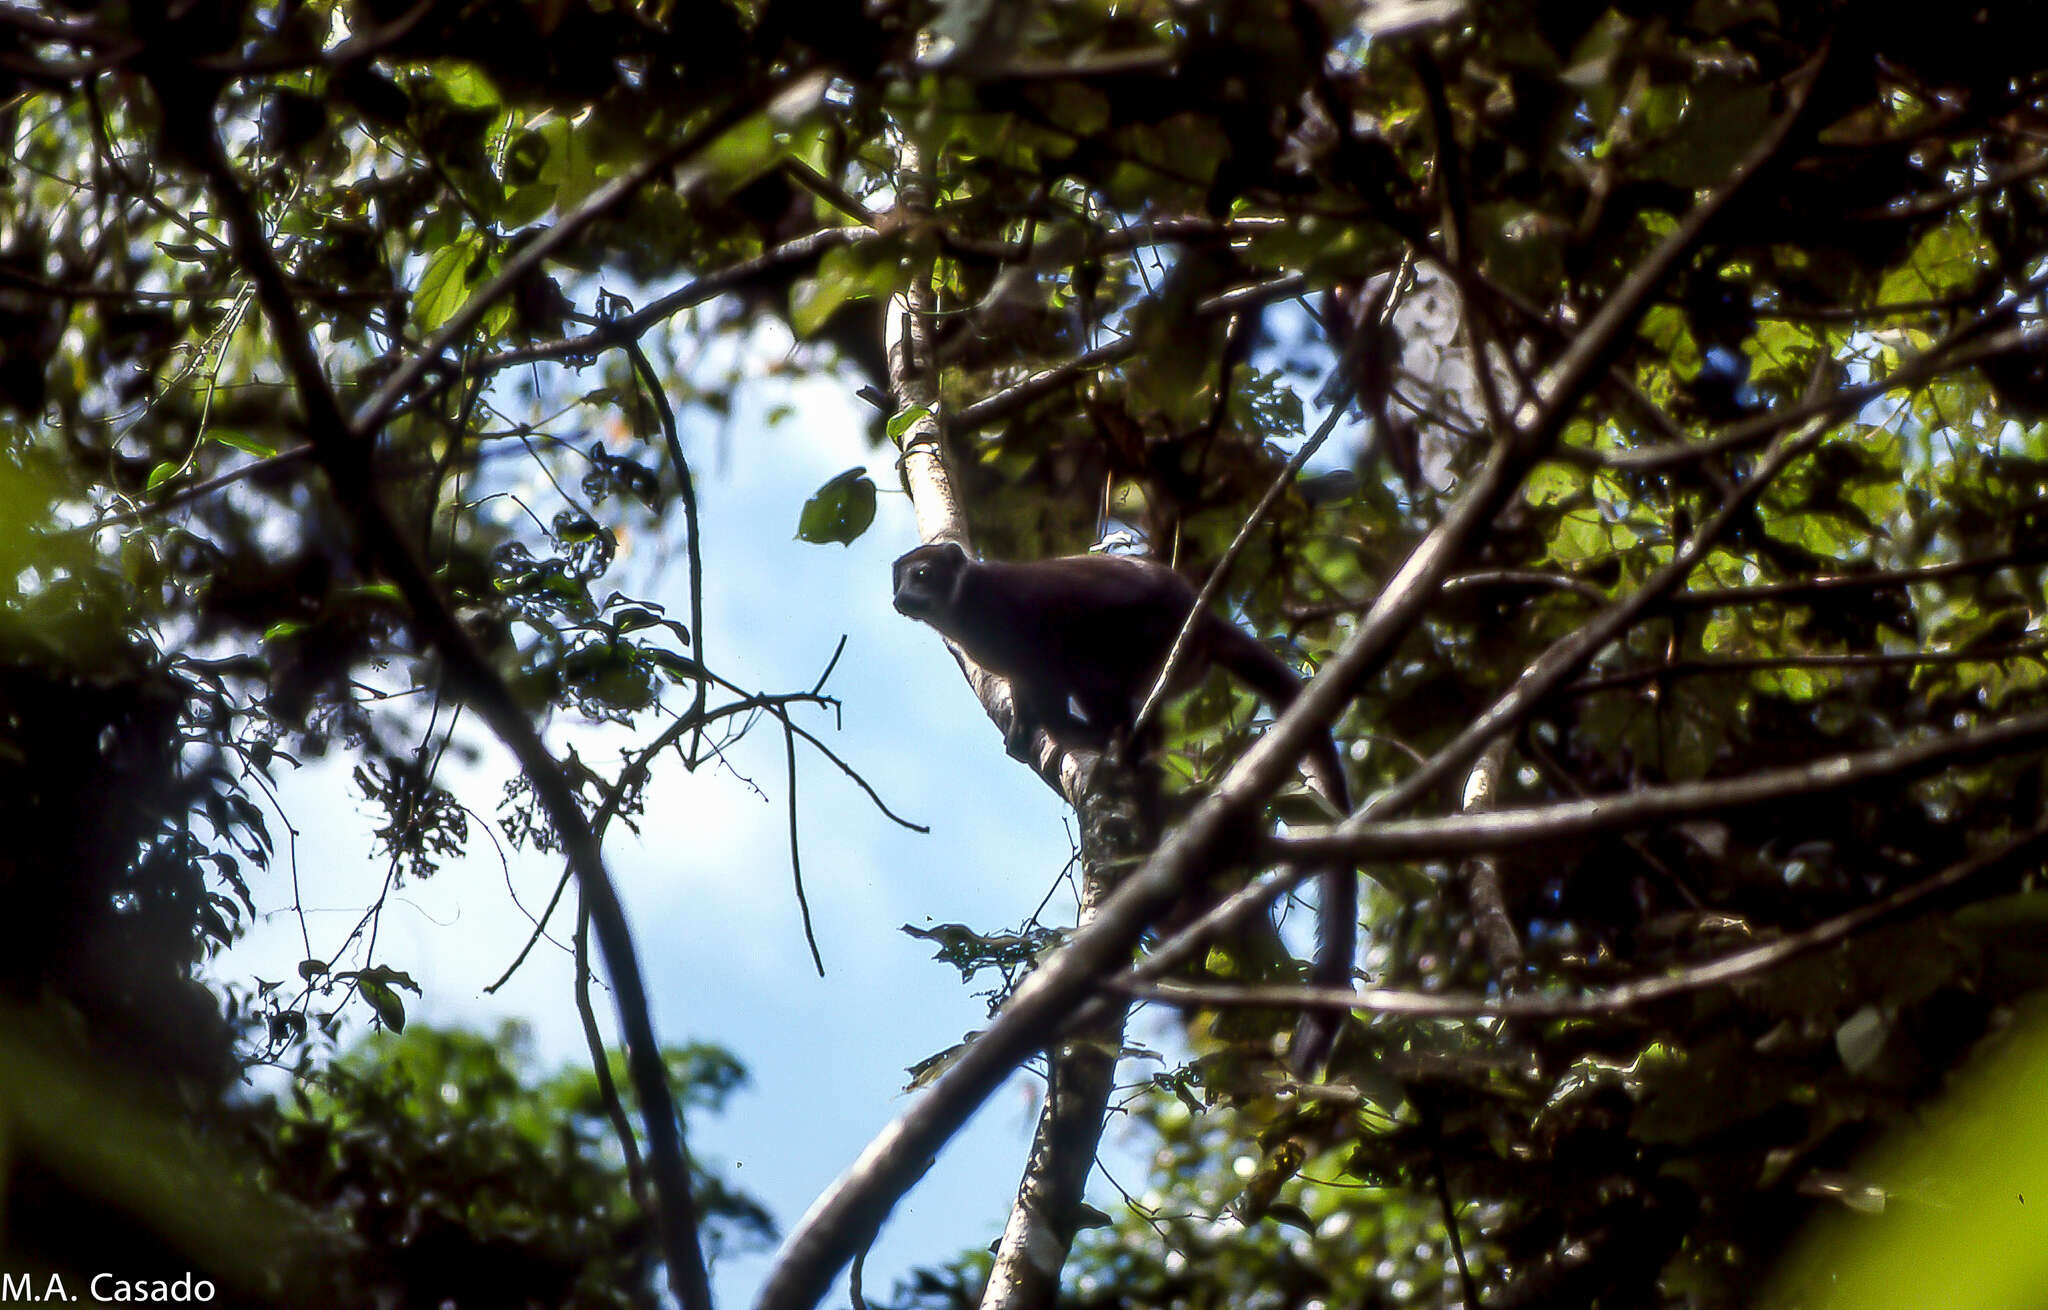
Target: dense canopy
[(1670, 557)]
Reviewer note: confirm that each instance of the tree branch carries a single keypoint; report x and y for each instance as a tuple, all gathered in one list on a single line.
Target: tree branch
[(1401, 602), (341, 453), (847, 1214), (1006, 403), (795, 98), (1959, 349), (1607, 1002), (1480, 873), (1827, 583), (768, 263), (1080, 1073), (1466, 834), (1537, 682), (1847, 660)]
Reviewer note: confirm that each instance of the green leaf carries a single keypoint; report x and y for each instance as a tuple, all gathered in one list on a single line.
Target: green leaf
[(1076, 107), (241, 441), (1720, 126), (378, 591), (905, 419), (1555, 484), (444, 284), (845, 273), (386, 1003), (680, 667), (525, 204), (743, 154), (386, 975), (464, 84), (569, 165), (840, 511)]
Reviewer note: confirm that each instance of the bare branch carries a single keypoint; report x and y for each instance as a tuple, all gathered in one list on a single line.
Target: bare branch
[(796, 862), (1480, 872), (1081, 1074), (1959, 349), (1537, 681), (1828, 583), (1466, 834), (769, 263), (1607, 1002), (1846, 660), (601, 1065)]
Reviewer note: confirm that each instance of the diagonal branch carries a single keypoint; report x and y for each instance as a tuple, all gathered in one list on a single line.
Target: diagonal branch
[(340, 452), (1345, 373), (1537, 682), (1959, 349), (846, 1216), (1800, 589), (767, 265), (797, 97), (1080, 1073), (1401, 603)]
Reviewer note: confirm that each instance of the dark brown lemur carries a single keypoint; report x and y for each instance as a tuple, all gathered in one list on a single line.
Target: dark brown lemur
[(1081, 639)]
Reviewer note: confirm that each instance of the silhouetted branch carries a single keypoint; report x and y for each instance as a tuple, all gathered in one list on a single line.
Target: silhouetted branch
[(1739, 966), (342, 453), (1847, 660), (797, 96), (1464, 834)]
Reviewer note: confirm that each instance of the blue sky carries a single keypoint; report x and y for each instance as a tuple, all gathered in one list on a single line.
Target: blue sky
[(707, 881)]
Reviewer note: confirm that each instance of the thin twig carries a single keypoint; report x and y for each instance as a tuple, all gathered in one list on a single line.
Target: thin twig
[(1442, 1178), (686, 489), (1828, 583), (796, 863), (635, 774), (601, 1066)]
